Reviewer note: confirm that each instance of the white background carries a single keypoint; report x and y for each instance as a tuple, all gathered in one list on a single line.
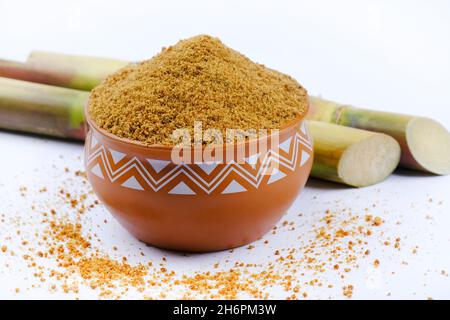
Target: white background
[(391, 55)]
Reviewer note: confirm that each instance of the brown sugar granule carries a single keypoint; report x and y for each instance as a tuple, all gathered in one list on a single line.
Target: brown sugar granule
[(377, 221), (347, 291), (376, 263), (197, 79), (69, 247)]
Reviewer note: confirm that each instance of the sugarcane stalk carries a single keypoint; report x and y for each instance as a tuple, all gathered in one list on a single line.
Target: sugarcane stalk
[(424, 142), (42, 109), (352, 156), (71, 71)]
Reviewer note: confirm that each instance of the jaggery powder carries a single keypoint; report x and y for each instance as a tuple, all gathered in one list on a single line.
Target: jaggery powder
[(197, 79)]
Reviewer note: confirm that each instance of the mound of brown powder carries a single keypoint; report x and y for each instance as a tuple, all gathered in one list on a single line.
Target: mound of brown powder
[(198, 79)]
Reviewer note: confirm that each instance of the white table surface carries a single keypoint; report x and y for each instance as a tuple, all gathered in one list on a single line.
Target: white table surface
[(378, 54)]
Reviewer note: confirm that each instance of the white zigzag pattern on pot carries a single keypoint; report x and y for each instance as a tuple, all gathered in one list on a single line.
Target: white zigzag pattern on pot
[(100, 154)]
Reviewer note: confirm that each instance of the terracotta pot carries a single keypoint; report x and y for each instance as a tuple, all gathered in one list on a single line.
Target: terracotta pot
[(197, 207)]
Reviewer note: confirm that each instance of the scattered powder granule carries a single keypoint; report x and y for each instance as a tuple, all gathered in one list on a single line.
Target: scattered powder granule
[(397, 243), (197, 79), (347, 291), (66, 244), (377, 221)]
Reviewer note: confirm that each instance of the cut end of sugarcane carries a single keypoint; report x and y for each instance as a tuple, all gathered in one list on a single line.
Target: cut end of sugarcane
[(369, 161), (429, 144)]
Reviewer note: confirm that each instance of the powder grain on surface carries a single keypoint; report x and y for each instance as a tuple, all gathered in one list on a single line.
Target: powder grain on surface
[(198, 79)]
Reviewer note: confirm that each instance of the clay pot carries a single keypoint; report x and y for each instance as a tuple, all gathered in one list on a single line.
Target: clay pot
[(197, 207)]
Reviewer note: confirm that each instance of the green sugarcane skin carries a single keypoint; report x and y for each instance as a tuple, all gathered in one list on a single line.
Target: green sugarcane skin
[(42, 109), (322, 170), (80, 72), (327, 154), (23, 71)]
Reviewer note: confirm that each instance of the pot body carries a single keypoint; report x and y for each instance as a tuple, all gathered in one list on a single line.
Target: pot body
[(201, 206)]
